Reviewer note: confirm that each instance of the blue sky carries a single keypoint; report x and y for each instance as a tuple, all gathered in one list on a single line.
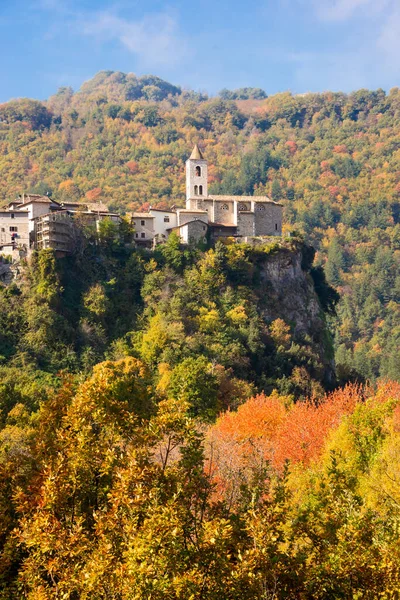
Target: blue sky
[(297, 45)]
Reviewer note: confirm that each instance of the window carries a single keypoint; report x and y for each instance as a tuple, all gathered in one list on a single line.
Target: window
[(225, 207), (276, 226), (133, 222), (12, 215), (2, 229), (136, 235), (242, 207), (204, 228), (142, 222), (166, 219), (142, 235), (198, 171), (13, 228), (260, 207), (200, 190), (196, 190)]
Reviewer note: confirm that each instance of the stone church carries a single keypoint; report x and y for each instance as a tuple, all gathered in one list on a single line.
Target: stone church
[(209, 214)]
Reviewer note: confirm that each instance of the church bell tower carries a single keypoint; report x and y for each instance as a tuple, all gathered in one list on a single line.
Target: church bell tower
[(196, 178)]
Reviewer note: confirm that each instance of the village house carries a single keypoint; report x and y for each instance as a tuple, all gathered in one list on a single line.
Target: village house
[(36, 222)]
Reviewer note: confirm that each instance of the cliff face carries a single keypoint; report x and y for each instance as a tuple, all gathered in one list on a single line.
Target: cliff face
[(287, 291)]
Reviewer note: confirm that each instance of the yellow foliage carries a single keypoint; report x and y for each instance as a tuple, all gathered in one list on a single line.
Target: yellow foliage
[(237, 315)]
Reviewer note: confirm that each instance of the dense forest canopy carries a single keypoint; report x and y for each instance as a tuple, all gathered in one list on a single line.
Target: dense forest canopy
[(331, 158)]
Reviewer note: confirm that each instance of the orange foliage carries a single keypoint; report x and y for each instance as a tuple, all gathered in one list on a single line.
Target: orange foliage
[(133, 166), (271, 429), (396, 419), (94, 194), (388, 389), (325, 165), (66, 185), (292, 146), (303, 433), (334, 190), (340, 149)]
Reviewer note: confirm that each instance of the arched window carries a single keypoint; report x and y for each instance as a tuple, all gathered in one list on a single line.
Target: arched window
[(198, 171), (242, 207), (196, 190), (261, 207), (200, 190), (225, 207)]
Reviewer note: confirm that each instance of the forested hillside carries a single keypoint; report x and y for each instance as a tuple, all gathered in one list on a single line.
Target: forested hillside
[(219, 322), (332, 159)]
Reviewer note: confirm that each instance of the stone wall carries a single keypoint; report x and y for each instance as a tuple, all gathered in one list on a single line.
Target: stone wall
[(224, 211), (204, 204), (245, 224), (267, 218), (185, 217), (193, 232)]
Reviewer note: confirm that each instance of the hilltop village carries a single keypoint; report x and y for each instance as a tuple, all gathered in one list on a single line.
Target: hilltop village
[(33, 222)]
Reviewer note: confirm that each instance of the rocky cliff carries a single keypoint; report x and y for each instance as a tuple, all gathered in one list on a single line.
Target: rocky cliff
[(288, 291)]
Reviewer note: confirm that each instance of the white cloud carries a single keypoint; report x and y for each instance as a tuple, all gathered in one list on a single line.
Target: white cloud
[(365, 51), (341, 10), (389, 37), (154, 39)]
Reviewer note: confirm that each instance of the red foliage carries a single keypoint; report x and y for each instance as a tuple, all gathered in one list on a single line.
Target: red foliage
[(334, 190), (133, 166), (292, 146), (325, 165), (94, 194), (340, 149)]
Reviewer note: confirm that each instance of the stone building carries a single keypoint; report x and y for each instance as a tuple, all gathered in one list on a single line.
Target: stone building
[(220, 216), (35, 222), (229, 216)]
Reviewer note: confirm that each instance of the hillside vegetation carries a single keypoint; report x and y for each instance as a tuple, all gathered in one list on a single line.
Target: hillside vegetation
[(207, 320), (111, 490), (332, 159)]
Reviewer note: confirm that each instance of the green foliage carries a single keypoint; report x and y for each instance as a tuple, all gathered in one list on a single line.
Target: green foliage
[(246, 93), (28, 112), (193, 381)]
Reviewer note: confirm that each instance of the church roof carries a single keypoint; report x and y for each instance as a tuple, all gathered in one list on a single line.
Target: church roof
[(243, 199), (187, 223), (196, 153), (191, 210)]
